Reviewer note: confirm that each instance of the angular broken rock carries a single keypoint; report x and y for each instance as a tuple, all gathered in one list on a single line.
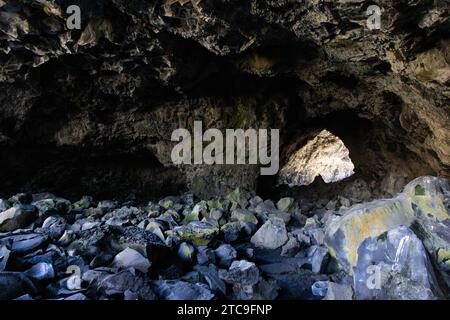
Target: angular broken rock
[(337, 291), (15, 284), (41, 271), (423, 206), (325, 156), (25, 243), (225, 255), (123, 281), (395, 266), (271, 235), (130, 258), (17, 217), (242, 273), (199, 233), (180, 290)]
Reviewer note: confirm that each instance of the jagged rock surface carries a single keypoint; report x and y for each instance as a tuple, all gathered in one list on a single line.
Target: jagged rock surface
[(97, 106)]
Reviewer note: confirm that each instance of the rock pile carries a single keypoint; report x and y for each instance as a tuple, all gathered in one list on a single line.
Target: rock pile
[(232, 248)]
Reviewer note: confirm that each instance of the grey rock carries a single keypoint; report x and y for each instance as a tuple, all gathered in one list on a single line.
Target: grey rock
[(291, 247), (241, 272), (320, 288), (271, 235), (76, 297), (123, 281), (205, 256), (4, 205), (55, 226), (287, 205), (337, 291), (41, 271), (4, 256), (107, 205), (394, 266), (25, 243), (15, 284), (244, 216), (130, 258), (186, 252), (180, 290), (17, 217), (225, 255), (211, 275)]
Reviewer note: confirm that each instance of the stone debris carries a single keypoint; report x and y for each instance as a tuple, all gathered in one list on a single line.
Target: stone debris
[(247, 252)]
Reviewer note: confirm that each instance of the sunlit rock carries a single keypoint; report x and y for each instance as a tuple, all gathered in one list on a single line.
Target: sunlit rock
[(325, 156)]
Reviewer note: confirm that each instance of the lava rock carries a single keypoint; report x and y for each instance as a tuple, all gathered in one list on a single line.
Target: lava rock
[(205, 256), (17, 217), (186, 253), (241, 272), (337, 291), (130, 258), (225, 255), (271, 235), (15, 284), (180, 290), (41, 271), (199, 233), (118, 284)]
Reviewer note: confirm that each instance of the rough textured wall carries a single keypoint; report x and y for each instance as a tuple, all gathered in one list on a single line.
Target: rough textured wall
[(92, 111)]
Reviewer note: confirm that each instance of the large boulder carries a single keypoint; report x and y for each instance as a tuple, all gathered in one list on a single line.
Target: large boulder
[(423, 206), (394, 265)]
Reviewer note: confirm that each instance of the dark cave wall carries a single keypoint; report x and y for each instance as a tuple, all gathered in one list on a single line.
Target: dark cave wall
[(92, 110)]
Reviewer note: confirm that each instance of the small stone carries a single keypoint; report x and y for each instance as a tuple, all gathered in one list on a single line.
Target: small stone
[(130, 295), (180, 290), (193, 216), (205, 256), (266, 207), (76, 297), (55, 226), (25, 243), (4, 205), (286, 205), (17, 217), (41, 271), (4, 256), (225, 255), (255, 201), (186, 252), (130, 258), (271, 235), (199, 233), (15, 284), (244, 216), (155, 228), (215, 214), (318, 258), (107, 206), (241, 272), (339, 292), (320, 288), (89, 225), (211, 276), (232, 231), (123, 281), (291, 247), (84, 203)]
